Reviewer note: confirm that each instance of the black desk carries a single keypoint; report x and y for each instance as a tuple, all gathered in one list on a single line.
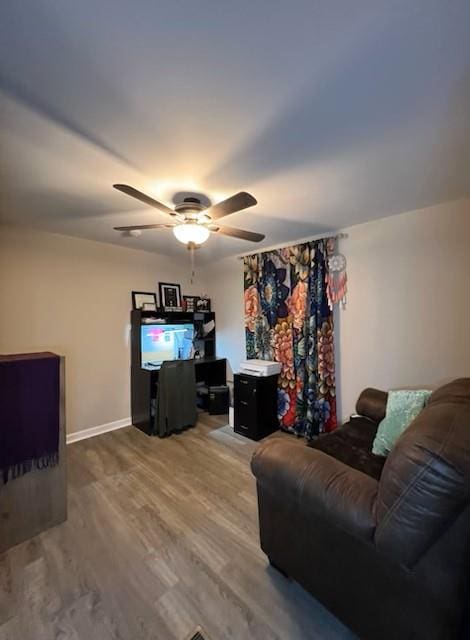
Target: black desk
[(211, 371)]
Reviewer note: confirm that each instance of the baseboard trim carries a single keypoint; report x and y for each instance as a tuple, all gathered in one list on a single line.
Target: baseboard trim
[(96, 431)]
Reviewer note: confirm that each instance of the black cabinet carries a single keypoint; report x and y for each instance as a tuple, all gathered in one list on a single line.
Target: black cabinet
[(255, 405)]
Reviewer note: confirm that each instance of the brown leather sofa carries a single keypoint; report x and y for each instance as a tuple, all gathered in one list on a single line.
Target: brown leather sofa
[(386, 550)]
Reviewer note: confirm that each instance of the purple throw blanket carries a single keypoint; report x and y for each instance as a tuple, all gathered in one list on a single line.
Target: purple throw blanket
[(29, 413)]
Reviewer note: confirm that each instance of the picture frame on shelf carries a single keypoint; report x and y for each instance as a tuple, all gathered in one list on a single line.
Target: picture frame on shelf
[(145, 300), (190, 303), (203, 304), (170, 296)]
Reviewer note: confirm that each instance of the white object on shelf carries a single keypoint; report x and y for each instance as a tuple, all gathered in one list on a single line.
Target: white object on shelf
[(260, 368), (208, 327)]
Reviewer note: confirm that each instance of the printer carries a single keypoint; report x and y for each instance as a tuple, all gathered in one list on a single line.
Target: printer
[(260, 368)]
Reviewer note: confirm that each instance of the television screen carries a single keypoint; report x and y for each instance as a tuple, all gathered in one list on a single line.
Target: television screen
[(160, 342)]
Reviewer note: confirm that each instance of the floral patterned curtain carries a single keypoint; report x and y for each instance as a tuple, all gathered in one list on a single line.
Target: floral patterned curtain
[(288, 319)]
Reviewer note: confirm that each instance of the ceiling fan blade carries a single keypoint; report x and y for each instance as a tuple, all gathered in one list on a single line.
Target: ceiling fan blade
[(145, 226), (237, 233), (134, 193), (239, 201)]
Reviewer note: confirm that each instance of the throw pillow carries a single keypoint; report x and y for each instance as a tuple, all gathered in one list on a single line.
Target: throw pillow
[(402, 408)]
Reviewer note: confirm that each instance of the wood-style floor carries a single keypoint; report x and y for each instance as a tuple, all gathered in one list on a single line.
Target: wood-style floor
[(162, 536)]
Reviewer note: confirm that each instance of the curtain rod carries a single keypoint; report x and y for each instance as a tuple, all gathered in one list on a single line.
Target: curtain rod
[(338, 236)]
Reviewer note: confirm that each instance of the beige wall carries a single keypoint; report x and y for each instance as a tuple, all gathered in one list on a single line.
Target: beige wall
[(72, 296), (408, 313), (406, 322), (226, 293)]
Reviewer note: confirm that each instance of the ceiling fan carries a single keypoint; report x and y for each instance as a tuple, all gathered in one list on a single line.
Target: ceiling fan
[(192, 221)]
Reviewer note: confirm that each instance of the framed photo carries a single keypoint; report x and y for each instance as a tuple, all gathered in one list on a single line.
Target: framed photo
[(190, 303), (144, 300), (203, 304), (170, 296)]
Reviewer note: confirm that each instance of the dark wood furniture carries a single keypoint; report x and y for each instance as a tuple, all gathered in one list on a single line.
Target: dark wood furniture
[(255, 405), (214, 399), (37, 500), (209, 369)]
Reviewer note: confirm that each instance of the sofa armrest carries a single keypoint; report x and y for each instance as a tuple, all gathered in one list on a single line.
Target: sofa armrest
[(372, 404), (318, 483)]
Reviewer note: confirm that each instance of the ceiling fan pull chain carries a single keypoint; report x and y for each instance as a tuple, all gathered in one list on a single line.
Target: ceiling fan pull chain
[(191, 258)]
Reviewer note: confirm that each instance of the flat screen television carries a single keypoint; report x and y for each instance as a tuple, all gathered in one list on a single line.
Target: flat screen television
[(160, 342)]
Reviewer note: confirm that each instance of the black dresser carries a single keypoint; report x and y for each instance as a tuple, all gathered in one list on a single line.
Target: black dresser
[(255, 405)]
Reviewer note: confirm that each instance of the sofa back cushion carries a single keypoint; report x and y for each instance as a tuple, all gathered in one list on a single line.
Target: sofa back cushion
[(425, 482)]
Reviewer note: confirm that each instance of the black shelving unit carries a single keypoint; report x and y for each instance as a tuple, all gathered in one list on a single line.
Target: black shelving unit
[(209, 369), (204, 343)]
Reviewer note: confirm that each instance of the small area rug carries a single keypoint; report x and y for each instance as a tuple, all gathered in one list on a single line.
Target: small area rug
[(226, 433)]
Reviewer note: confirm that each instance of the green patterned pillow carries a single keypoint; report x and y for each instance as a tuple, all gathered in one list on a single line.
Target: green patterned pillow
[(402, 409)]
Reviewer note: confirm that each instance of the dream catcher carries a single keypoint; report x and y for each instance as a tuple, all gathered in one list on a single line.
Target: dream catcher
[(336, 278)]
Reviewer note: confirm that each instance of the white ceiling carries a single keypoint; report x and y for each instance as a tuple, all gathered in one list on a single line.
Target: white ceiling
[(330, 112)]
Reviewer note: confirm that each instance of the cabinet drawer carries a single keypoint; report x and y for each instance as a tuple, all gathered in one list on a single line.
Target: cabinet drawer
[(247, 403), (244, 414), (243, 429), (245, 389)]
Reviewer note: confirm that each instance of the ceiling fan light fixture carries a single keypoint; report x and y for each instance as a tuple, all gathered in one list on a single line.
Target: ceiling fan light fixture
[(191, 232), (193, 221)]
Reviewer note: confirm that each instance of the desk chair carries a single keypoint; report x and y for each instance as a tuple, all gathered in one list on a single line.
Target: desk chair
[(176, 397)]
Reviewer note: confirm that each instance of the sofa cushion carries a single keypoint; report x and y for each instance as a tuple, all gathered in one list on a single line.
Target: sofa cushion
[(457, 392), (402, 408), (316, 484), (352, 445), (425, 482)]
